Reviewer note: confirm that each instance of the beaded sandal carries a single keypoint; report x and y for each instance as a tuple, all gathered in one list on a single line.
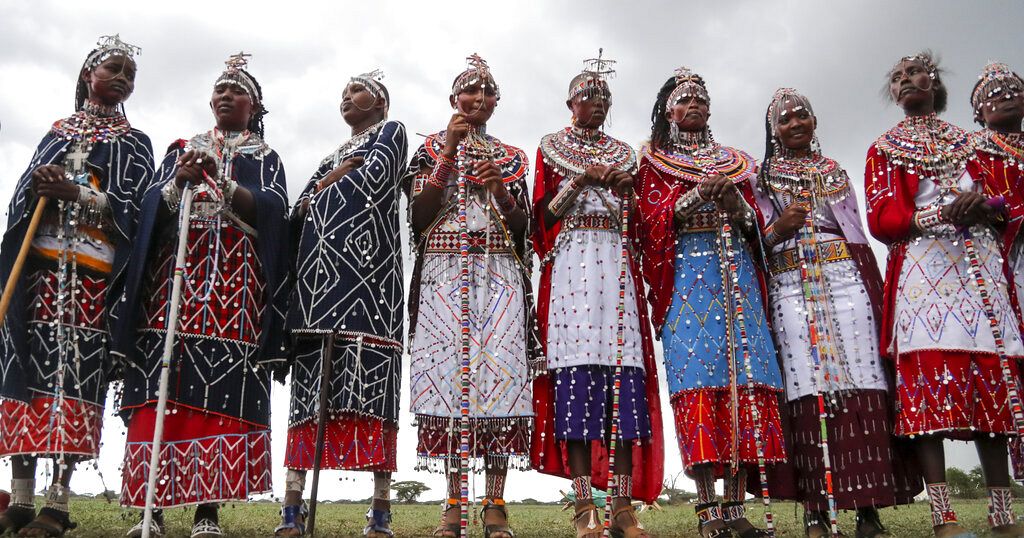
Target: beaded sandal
[(378, 524), (49, 530), (593, 528), (293, 516), (445, 529), (752, 532), (711, 512), (156, 528), (490, 530), (634, 530), (206, 528)]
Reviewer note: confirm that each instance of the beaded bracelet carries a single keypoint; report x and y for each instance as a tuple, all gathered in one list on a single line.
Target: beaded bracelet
[(929, 220), (688, 203), (565, 198), (442, 171), (507, 204), (171, 195)]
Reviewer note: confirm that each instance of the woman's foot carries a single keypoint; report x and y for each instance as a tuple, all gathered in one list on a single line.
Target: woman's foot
[(293, 520), (951, 530), (624, 522), (587, 521), (49, 522), (451, 521), (156, 529), (378, 520), (205, 523), (16, 517), (869, 524), (495, 519), (710, 523), (1014, 530)]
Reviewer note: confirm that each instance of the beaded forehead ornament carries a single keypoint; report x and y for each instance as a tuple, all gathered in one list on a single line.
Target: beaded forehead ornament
[(111, 45), (996, 79), (371, 81), (593, 80), (688, 85), (235, 75), (777, 108), (478, 72)]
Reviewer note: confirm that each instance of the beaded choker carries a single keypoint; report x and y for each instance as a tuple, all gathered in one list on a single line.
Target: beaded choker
[(571, 150), (352, 144), (1007, 145), (817, 173), (926, 142)]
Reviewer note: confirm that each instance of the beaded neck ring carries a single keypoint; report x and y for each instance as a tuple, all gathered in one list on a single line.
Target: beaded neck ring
[(997, 81), (372, 82), (478, 72)]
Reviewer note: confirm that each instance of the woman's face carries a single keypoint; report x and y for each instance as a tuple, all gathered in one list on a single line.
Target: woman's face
[(111, 82), (690, 114), (1005, 106), (477, 102), (591, 112), (231, 106), (358, 104), (911, 86), (796, 126)]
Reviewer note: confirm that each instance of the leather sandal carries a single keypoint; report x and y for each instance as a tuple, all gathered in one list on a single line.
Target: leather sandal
[(16, 517), (378, 524), (293, 516), (587, 514), (445, 529), (634, 530), (48, 529), (490, 530)]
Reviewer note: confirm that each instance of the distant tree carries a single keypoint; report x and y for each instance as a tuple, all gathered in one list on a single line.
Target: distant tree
[(409, 490), (969, 485), (674, 495)]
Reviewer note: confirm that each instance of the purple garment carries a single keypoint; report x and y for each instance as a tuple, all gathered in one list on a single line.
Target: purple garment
[(583, 396)]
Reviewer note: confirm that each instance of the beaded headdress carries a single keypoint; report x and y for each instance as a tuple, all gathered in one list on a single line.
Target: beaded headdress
[(371, 81), (688, 85), (593, 80), (995, 79), (235, 74), (478, 72), (926, 59), (111, 45)]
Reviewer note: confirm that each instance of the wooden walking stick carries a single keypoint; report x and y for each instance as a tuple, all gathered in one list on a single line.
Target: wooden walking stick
[(19, 262), (613, 481), (185, 211), (326, 370)]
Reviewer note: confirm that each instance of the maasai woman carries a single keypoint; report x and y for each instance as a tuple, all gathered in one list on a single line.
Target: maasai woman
[(349, 295), (216, 442), (582, 174), (699, 230), (947, 321), (826, 294), (498, 342), (998, 103), (92, 169)]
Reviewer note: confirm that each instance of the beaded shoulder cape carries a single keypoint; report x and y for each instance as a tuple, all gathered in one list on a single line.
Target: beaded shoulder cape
[(1010, 146), (684, 164), (822, 176), (510, 159), (570, 151), (925, 141)]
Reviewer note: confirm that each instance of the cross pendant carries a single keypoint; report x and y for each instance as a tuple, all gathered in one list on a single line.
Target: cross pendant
[(77, 158)]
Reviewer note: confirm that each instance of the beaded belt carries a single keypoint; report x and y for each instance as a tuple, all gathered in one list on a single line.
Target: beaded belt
[(702, 221), (830, 251), (448, 242), (589, 222)]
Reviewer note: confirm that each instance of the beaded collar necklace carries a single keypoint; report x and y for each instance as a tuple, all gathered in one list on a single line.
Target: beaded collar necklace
[(689, 157), (1007, 145), (352, 144), (927, 143), (821, 175), (92, 124), (571, 150)]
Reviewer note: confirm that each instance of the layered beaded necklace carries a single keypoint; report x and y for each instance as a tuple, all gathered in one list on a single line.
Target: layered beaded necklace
[(571, 150), (691, 155), (1007, 145), (821, 176), (928, 146)]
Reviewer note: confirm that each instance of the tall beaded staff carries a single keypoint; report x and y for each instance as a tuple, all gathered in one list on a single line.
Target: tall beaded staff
[(473, 264), (55, 356), (708, 303)]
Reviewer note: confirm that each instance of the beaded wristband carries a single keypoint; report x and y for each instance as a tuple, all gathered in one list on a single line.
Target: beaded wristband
[(442, 171), (688, 203), (928, 220), (565, 198), (171, 195), (93, 199)]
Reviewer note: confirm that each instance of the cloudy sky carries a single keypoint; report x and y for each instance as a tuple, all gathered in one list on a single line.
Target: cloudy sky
[(836, 53)]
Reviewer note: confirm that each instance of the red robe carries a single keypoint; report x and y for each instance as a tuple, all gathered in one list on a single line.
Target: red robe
[(549, 455)]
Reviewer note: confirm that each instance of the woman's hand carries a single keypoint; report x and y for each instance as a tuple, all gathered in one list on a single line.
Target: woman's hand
[(191, 166), (50, 181)]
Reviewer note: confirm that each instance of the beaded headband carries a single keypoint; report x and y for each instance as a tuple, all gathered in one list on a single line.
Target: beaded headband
[(924, 57), (777, 109), (478, 72), (111, 45), (593, 80), (688, 84), (371, 81), (996, 78), (235, 74)]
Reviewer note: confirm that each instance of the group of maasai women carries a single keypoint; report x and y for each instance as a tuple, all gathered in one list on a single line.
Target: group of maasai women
[(793, 372)]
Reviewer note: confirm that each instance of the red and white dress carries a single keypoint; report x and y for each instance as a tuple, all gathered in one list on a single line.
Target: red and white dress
[(949, 379)]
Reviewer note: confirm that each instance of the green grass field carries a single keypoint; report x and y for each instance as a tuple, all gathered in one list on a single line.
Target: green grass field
[(97, 518)]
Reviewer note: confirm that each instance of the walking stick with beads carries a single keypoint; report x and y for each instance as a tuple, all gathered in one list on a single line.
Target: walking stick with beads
[(807, 257), (613, 481), (464, 346), (735, 307), (185, 212)]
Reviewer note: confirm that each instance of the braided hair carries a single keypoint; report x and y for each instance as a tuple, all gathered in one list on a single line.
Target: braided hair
[(769, 154), (258, 111), (659, 123)]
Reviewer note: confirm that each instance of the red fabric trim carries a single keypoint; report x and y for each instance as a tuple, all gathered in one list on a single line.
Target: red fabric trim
[(704, 429), (32, 428), (351, 442), (957, 394), (549, 456)]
